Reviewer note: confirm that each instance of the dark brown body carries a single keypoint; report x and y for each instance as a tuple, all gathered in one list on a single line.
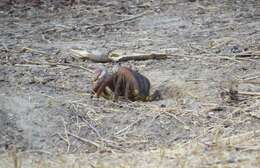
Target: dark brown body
[(125, 82)]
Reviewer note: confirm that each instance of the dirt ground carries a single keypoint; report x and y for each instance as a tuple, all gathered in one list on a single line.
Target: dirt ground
[(210, 108)]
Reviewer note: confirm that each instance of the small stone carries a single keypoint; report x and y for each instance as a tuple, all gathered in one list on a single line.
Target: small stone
[(236, 49), (162, 105)]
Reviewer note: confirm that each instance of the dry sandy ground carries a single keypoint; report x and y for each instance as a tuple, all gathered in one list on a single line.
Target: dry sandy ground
[(210, 108)]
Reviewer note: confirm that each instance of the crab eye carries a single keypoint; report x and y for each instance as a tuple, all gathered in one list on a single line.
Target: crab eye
[(97, 74), (102, 74), (97, 71)]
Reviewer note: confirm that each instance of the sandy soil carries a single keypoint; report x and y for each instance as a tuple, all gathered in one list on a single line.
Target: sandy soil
[(210, 85)]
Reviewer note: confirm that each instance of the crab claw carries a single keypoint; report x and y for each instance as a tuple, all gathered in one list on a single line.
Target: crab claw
[(100, 72)]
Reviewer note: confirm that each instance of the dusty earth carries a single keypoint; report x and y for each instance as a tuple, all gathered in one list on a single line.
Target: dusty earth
[(209, 114)]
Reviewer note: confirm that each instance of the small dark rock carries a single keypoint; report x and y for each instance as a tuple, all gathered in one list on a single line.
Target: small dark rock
[(236, 49), (162, 105)]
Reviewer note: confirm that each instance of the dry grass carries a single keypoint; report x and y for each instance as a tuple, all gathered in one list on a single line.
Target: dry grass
[(209, 115), (194, 153)]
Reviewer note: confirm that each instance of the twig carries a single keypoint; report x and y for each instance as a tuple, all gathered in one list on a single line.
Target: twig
[(250, 93), (16, 160), (199, 49), (30, 65), (92, 127), (229, 161), (241, 137), (195, 80), (61, 137), (115, 145), (107, 142), (251, 76), (84, 140), (51, 64), (176, 118), (32, 50), (233, 57), (119, 21), (251, 82), (248, 54), (66, 134), (129, 19), (55, 64), (38, 151), (128, 127), (57, 28), (138, 57)]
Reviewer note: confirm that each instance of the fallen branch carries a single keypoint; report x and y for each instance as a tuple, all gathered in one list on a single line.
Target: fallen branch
[(116, 55), (96, 56), (137, 57), (127, 55)]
